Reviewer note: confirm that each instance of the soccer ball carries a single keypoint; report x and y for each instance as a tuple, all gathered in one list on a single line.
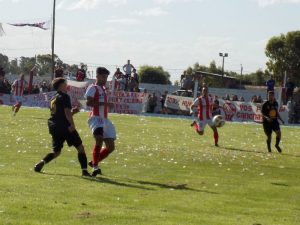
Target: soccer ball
[(219, 121)]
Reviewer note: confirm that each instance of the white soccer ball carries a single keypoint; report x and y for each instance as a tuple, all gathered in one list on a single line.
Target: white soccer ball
[(219, 121)]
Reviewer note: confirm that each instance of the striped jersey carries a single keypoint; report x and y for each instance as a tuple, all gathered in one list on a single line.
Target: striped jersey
[(204, 108), (98, 93), (19, 86)]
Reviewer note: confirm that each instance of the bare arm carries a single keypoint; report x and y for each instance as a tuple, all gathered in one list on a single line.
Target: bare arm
[(69, 117)]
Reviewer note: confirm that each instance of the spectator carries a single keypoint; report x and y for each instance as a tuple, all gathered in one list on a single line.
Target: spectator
[(127, 68), (152, 103), (242, 99), (35, 89), (259, 99), (5, 87), (123, 83), (216, 110), (297, 112), (118, 77), (227, 98), (182, 79), (254, 99), (131, 84), (235, 98), (270, 84), (291, 110), (290, 86), (59, 72), (162, 102), (136, 76)]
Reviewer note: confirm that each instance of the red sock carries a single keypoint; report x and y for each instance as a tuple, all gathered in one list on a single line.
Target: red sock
[(103, 154), (96, 154), (216, 137)]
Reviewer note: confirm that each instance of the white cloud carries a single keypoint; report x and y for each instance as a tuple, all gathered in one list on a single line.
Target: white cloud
[(124, 21), (91, 4), (157, 11), (265, 3), (166, 2)]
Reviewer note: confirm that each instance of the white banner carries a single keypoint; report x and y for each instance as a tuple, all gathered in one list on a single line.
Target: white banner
[(124, 102), (232, 111)]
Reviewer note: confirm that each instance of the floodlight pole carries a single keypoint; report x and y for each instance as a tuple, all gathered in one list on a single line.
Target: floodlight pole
[(52, 42), (223, 55)]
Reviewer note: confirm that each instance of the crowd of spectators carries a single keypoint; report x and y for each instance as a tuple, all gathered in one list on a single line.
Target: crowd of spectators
[(6, 86), (127, 81)]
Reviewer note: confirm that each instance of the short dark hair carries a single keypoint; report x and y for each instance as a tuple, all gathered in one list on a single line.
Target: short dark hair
[(2, 72), (271, 92), (102, 71), (57, 82), (59, 72)]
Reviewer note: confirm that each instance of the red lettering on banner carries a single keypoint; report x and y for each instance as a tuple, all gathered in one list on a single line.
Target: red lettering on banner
[(171, 100), (246, 108), (187, 103)]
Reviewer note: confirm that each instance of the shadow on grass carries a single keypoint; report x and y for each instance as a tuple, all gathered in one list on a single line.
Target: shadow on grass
[(259, 152), (105, 180), (280, 184), (102, 180), (183, 187)]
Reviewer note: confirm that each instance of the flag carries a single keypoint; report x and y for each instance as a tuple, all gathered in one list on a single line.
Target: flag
[(42, 25), (1, 30)]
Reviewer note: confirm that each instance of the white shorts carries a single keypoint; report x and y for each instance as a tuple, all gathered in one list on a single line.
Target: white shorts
[(109, 131), (18, 98), (200, 125)]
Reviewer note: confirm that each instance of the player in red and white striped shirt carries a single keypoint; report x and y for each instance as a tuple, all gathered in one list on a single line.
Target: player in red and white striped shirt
[(101, 126), (204, 105), (18, 87)]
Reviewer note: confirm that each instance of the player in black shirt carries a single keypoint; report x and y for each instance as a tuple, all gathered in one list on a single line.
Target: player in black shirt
[(62, 128), (270, 120)]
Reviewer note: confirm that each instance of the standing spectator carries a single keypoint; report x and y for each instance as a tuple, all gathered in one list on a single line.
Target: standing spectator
[(136, 76), (216, 109), (118, 77), (235, 98), (4, 84), (163, 101), (259, 99), (123, 83), (254, 99), (127, 68), (152, 103), (242, 99), (290, 86), (59, 72), (131, 84), (270, 84), (227, 98)]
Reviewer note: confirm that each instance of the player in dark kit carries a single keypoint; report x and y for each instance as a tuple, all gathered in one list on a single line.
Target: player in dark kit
[(270, 121), (62, 128)]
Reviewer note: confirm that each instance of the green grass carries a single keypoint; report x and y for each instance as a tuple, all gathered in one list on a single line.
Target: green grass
[(160, 173)]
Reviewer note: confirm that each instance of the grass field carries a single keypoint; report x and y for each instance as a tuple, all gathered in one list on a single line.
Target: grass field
[(160, 173)]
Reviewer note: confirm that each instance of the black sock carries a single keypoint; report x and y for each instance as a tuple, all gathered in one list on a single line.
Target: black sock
[(49, 157), (269, 144), (278, 139), (82, 160)]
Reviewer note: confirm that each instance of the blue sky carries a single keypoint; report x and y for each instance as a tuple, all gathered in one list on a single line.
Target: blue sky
[(170, 33)]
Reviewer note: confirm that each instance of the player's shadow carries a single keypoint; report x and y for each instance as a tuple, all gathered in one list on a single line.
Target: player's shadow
[(182, 187), (258, 152), (102, 180), (244, 150), (280, 184), (105, 180)]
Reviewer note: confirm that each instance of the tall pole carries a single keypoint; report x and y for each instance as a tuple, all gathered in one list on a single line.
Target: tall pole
[(53, 36), (241, 76), (223, 66)]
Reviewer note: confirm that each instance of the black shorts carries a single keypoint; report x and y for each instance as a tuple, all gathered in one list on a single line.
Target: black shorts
[(98, 132), (271, 126), (59, 136)]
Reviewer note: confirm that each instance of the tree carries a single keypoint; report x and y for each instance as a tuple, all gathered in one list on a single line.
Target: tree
[(283, 52), (4, 62), (26, 64), (154, 75)]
